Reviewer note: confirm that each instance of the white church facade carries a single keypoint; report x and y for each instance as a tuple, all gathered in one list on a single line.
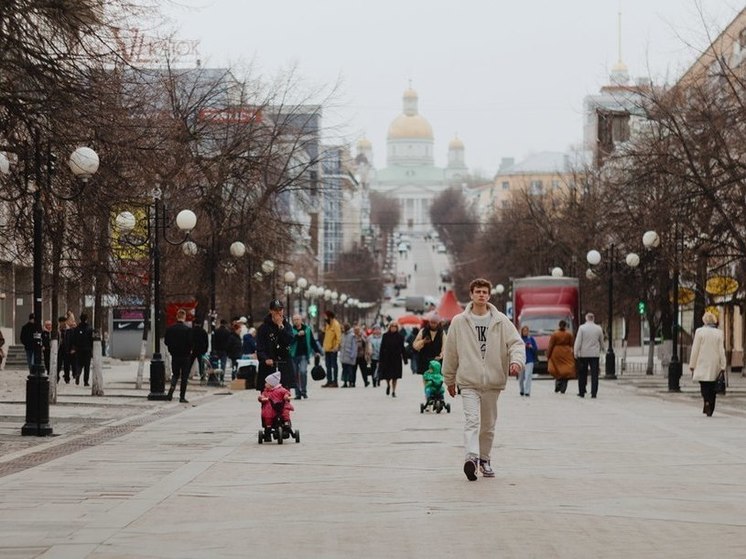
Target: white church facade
[(410, 174)]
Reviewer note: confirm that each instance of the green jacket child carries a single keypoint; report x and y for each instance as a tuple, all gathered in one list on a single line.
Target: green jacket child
[(433, 380)]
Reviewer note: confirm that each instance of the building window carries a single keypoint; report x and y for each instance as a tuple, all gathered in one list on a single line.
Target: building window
[(555, 184), (536, 188), (506, 185)]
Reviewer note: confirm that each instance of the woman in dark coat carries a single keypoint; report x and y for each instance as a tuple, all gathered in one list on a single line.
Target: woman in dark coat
[(391, 357)]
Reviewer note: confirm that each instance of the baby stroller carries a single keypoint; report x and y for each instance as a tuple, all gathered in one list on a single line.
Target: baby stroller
[(434, 390), (280, 430)]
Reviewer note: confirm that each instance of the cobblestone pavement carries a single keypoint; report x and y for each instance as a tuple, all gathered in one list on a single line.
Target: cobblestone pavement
[(79, 419)]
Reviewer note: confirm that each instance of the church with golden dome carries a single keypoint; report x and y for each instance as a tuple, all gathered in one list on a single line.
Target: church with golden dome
[(410, 174)]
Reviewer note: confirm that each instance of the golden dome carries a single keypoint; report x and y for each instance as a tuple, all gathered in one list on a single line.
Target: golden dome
[(456, 143), (364, 143), (414, 127), (410, 93)]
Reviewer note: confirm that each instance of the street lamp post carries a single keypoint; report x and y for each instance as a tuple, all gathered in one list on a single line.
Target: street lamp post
[(302, 284), (651, 240), (186, 220), (594, 259), (289, 278), (83, 163), (237, 250), (498, 291), (268, 267)]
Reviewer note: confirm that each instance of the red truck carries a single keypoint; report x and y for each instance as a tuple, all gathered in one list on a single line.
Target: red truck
[(540, 302)]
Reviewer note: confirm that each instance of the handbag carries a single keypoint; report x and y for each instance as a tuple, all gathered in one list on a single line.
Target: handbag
[(318, 372), (721, 383)]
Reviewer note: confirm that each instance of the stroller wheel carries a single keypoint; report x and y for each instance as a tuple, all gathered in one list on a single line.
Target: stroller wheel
[(422, 408), (438, 407), (261, 437), (448, 408), (280, 435), (297, 436)]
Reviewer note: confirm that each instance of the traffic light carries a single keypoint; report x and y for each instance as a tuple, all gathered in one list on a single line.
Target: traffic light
[(641, 307), (313, 310)]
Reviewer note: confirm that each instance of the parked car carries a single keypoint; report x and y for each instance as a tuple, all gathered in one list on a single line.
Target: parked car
[(445, 276), (441, 248), (399, 301)]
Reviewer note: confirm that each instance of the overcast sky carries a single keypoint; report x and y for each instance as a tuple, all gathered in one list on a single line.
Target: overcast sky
[(508, 76)]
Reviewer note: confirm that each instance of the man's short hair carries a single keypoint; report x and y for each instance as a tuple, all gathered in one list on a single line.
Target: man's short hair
[(590, 316), (83, 317), (180, 314), (479, 282)]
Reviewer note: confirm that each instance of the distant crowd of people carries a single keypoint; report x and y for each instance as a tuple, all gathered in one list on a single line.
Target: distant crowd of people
[(75, 349)]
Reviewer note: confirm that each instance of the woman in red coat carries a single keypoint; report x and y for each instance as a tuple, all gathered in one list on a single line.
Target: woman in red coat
[(391, 358)]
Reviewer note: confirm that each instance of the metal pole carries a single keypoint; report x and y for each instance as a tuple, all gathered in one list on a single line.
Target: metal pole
[(610, 357), (157, 367), (249, 298), (213, 287), (674, 367), (37, 383)]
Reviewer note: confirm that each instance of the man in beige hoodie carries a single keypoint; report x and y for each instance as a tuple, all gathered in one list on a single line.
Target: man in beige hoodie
[(482, 348)]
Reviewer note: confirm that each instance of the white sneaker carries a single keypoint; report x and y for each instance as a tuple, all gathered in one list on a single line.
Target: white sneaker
[(485, 468)]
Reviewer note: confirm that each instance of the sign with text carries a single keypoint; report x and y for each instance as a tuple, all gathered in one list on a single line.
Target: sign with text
[(129, 318)]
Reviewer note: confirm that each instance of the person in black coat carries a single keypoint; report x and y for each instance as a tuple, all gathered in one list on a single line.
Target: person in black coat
[(235, 349), (220, 338), (82, 349), (178, 340), (27, 339), (429, 344), (273, 341), (392, 355), (200, 346), (46, 342)]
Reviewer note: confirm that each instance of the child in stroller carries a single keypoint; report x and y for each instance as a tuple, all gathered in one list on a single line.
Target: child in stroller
[(276, 408), (434, 389)]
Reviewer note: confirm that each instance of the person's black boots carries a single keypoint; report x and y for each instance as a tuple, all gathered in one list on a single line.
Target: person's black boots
[(171, 393)]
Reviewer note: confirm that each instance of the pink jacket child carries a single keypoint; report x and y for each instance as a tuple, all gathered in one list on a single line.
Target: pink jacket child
[(274, 395)]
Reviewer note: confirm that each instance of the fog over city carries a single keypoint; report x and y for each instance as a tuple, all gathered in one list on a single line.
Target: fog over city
[(507, 77)]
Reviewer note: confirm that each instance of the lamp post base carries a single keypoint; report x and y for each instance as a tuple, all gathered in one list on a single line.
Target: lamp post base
[(37, 404), (157, 378), (610, 365), (674, 374)]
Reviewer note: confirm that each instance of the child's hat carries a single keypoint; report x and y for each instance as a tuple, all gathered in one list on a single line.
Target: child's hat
[(273, 379)]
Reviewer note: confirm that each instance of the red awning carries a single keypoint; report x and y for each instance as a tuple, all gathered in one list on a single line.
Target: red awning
[(449, 307)]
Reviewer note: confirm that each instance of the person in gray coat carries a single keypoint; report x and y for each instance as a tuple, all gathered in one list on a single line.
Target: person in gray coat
[(589, 343)]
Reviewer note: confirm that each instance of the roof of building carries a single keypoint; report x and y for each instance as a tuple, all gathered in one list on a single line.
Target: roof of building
[(414, 127), (543, 162)]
